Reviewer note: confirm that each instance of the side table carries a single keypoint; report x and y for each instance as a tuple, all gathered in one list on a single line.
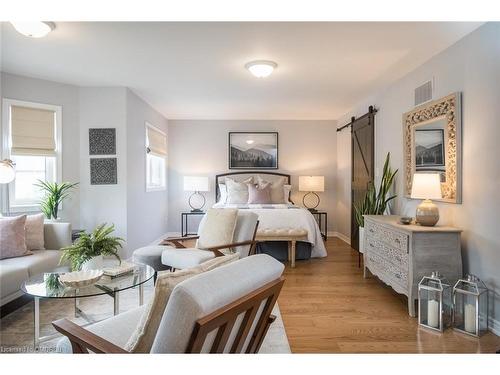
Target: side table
[(322, 219), (184, 222)]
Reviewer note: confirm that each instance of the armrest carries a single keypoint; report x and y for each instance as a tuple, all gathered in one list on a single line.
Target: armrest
[(181, 238), (81, 339), (177, 241), (56, 235), (235, 244)]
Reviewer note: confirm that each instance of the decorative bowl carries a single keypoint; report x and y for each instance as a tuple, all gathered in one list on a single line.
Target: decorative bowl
[(406, 220), (80, 279)]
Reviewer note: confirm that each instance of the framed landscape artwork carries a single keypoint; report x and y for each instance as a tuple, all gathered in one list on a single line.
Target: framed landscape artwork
[(429, 149), (257, 150)]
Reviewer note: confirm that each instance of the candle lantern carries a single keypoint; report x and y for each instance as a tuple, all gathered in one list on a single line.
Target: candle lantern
[(470, 306), (434, 302)]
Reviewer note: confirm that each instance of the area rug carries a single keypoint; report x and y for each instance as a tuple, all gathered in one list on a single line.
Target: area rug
[(16, 329)]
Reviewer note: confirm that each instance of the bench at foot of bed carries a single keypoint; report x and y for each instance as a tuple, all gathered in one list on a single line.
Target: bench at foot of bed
[(290, 235)]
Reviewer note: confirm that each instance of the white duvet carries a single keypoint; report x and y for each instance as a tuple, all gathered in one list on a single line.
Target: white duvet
[(273, 216)]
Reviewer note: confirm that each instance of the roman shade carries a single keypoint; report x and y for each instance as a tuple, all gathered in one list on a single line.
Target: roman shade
[(33, 131), (157, 142)]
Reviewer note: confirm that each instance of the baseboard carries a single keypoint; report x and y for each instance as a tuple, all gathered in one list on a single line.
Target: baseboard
[(494, 326), (343, 237)]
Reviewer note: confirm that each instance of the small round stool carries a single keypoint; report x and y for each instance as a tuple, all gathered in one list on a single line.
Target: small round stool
[(151, 255)]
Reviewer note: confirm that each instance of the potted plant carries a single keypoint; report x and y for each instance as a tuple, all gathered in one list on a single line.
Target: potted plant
[(375, 203), (54, 195), (88, 250)]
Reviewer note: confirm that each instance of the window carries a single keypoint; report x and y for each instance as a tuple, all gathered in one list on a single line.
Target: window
[(32, 140), (156, 159)]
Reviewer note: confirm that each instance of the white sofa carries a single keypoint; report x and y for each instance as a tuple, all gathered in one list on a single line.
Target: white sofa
[(14, 271)]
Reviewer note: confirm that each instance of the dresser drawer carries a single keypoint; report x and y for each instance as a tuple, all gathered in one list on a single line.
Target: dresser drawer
[(388, 272), (394, 255), (388, 236)]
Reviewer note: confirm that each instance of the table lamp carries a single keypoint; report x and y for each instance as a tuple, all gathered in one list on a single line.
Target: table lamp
[(426, 186), (312, 185), (196, 184), (7, 172)]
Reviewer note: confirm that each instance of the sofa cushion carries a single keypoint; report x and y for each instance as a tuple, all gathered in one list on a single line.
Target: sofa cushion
[(41, 261), (35, 232), (11, 278), (13, 237), (117, 329)]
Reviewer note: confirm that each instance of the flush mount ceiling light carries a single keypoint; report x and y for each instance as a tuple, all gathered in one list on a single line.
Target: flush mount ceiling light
[(34, 29), (261, 68)]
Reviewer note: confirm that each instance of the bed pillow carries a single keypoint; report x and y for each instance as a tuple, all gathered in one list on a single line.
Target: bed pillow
[(259, 194), (144, 335), (237, 192), (34, 232), (13, 237), (287, 189), (277, 192), (222, 194)]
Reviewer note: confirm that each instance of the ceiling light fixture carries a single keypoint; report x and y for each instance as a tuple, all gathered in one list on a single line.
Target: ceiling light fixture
[(34, 29), (261, 68)]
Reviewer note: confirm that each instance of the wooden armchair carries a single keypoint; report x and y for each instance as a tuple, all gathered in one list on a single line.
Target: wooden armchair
[(180, 256), (200, 317)]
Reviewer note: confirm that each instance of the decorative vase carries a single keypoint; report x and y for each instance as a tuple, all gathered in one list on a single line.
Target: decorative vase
[(95, 263), (361, 240)]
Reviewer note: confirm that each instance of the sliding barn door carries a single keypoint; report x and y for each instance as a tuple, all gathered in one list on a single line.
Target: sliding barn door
[(362, 143)]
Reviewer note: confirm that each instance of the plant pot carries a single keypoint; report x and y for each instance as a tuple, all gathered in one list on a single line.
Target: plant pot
[(95, 263), (361, 239)]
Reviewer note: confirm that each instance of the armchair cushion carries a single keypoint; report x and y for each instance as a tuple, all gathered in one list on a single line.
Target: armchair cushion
[(217, 228), (185, 258), (143, 336)]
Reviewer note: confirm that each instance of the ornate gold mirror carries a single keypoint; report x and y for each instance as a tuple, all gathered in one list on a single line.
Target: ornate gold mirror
[(432, 144)]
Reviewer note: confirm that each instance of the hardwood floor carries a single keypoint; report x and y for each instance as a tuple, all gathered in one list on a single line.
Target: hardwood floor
[(328, 307)]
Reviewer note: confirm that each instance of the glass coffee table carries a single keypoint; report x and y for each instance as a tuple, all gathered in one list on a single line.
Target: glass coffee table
[(42, 287)]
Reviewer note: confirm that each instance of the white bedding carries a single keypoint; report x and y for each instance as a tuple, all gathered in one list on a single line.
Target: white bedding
[(273, 216)]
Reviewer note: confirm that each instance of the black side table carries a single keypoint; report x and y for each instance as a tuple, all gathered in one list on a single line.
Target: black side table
[(75, 234), (184, 222), (322, 219)]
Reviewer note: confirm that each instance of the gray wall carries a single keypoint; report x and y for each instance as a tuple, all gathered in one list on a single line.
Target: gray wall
[(471, 66), (146, 211), (200, 147), (48, 92)]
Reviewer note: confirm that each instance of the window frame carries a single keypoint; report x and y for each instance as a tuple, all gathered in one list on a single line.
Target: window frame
[(150, 189), (7, 143)]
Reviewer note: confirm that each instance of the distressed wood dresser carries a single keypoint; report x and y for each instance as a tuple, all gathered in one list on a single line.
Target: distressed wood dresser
[(400, 255)]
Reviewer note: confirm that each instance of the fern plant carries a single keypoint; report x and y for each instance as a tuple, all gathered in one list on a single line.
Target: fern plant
[(375, 203), (89, 245), (54, 195)]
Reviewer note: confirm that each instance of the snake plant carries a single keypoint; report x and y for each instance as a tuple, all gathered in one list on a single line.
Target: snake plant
[(375, 203)]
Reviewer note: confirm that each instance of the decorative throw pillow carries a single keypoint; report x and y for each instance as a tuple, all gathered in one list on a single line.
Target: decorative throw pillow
[(277, 193), (144, 335), (287, 189), (13, 237), (259, 194), (237, 192), (218, 227), (222, 193), (34, 232)]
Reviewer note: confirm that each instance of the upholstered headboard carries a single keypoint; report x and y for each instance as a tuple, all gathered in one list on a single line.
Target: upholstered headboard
[(240, 176)]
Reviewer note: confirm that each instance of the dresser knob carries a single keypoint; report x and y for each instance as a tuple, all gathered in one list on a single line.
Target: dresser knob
[(398, 241)]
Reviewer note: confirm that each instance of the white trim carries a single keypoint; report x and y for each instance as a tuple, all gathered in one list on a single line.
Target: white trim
[(147, 188), (494, 326), (343, 237), (6, 130)]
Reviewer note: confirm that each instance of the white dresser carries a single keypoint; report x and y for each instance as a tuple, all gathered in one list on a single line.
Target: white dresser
[(400, 255)]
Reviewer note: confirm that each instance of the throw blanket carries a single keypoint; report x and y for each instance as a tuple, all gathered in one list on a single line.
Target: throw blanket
[(274, 216)]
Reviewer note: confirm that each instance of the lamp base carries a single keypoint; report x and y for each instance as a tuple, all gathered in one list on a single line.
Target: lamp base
[(199, 207), (427, 213), (313, 208)]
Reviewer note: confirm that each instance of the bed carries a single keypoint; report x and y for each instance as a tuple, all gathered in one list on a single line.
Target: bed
[(273, 216)]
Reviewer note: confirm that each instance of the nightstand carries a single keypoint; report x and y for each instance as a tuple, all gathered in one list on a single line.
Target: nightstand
[(322, 219), (184, 222)]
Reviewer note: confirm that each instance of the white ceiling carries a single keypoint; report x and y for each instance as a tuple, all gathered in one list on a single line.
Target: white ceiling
[(196, 70)]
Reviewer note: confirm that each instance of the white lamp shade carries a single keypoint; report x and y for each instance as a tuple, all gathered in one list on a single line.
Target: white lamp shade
[(195, 183), (311, 183), (7, 172), (426, 186)]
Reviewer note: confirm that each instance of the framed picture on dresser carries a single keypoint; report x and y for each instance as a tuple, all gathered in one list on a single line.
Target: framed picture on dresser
[(253, 150)]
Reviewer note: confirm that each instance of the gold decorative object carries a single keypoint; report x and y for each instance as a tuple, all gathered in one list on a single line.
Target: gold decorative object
[(447, 108)]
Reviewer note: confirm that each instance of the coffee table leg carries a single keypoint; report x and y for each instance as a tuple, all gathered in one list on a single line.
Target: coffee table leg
[(141, 294), (36, 300), (116, 300)]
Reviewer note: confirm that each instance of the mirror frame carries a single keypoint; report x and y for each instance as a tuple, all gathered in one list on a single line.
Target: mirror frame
[(448, 108)]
